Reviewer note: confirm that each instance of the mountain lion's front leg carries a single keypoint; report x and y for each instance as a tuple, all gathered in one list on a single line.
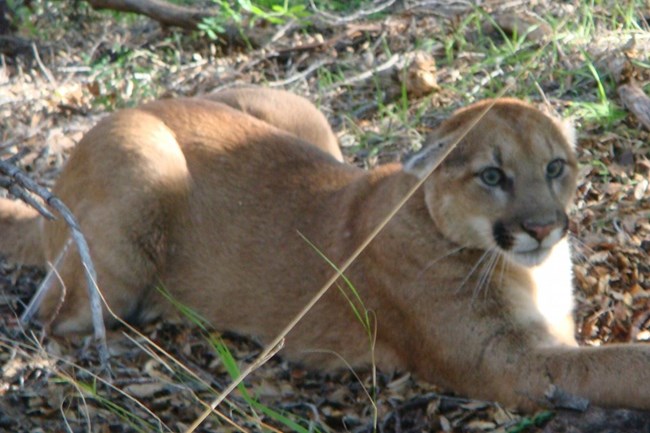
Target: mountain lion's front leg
[(616, 375)]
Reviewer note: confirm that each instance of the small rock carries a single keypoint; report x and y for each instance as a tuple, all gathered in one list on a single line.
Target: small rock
[(421, 77)]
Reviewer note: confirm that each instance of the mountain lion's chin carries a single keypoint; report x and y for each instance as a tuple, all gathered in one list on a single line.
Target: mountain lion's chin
[(529, 258)]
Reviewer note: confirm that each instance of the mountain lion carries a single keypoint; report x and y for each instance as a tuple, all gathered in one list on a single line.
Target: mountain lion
[(469, 284)]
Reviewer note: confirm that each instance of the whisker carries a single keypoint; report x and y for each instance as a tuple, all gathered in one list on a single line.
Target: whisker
[(476, 265), (504, 264), (580, 250), (498, 258), (437, 259), (487, 272)]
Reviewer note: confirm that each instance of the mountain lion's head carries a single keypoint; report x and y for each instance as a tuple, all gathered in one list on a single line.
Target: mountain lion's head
[(507, 184)]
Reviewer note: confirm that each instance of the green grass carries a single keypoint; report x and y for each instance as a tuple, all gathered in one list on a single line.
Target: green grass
[(602, 112), (275, 12), (363, 315), (591, 92), (133, 420), (126, 75), (527, 423), (289, 421), (286, 420)]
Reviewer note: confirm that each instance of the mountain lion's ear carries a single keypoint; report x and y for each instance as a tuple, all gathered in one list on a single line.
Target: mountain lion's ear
[(565, 125), (436, 144), (569, 131)]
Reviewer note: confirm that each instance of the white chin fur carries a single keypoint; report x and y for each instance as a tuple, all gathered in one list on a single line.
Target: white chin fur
[(529, 258), (529, 252)]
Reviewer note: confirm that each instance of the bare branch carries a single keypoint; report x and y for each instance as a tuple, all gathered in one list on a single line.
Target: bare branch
[(7, 167), (165, 13), (21, 194), (20, 186), (173, 15), (45, 285)]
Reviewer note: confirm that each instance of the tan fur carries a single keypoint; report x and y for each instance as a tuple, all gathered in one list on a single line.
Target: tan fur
[(208, 202), (20, 233), (284, 110)]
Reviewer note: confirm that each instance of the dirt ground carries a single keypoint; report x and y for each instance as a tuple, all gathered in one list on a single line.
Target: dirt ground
[(384, 77)]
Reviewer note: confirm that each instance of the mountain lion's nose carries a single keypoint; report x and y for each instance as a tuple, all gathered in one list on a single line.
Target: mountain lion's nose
[(538, 230)]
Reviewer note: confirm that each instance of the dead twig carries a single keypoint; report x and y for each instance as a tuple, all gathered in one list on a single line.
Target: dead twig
[(21, 185), (42, 67), (442, 8), (302, 75), (45, 286), (338, 20), (10, 185), (392, 61)]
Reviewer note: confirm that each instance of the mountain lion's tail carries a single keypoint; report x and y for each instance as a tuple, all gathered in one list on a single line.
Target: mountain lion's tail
[(20, 232)]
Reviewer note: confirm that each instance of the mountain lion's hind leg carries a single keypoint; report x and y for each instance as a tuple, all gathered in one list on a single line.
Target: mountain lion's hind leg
[(284, 110), (122, 182)]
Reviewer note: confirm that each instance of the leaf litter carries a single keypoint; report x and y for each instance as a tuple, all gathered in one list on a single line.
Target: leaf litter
[(417, 76)]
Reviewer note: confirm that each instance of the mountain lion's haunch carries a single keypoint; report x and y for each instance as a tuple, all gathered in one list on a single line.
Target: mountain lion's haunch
[(470, 283)]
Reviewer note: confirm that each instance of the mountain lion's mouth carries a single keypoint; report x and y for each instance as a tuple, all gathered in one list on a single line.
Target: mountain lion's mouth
[(531, 257), (528, 247)]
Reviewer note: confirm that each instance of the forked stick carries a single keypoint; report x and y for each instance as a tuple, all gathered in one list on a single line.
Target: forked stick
[(45, 285), (21, 186)]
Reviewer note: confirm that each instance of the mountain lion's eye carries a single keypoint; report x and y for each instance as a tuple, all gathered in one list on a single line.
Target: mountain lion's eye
[(492, 176), (555, 168)]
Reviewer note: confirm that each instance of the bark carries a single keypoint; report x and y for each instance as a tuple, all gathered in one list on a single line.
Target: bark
[(165, 13)]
